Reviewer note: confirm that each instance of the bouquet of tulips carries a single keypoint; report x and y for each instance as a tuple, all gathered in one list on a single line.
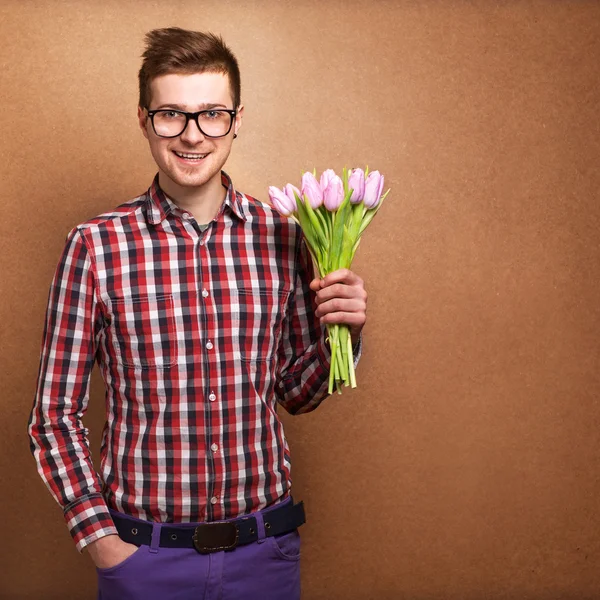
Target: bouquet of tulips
[(333, 213)]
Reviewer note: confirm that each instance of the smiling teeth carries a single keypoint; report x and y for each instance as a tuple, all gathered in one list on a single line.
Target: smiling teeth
[(192, 156)]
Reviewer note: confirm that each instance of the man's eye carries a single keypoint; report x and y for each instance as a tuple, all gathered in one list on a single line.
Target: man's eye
[(170, 114), (212, 114)]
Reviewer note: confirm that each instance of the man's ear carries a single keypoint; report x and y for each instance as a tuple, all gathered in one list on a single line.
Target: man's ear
[(142, 121), (238, 119)]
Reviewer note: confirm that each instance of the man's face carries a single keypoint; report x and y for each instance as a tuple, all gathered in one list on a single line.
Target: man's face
[(190, 93)]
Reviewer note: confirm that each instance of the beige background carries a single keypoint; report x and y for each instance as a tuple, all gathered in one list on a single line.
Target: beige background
[(466, 465)]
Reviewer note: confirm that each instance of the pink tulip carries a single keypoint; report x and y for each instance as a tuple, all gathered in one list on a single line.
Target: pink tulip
[(333, 194), (289, 190), (326, 176), (356, 182), (281, 201), (312, 190), (373, 189)]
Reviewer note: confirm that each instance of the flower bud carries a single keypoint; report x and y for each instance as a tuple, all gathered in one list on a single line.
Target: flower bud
[(356, 182), (312, 190), (326, 176), (373, 189), (281, 201), (289, 190), (333, 194)]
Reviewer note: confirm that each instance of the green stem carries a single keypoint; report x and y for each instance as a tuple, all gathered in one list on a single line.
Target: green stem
[(342, 371), (351, 363), (343, 353), (333, 347)]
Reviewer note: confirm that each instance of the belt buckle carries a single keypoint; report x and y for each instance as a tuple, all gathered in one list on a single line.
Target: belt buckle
[(213, 537)]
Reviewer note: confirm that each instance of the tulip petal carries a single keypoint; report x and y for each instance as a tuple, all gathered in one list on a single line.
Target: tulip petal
[(356, 181), (312, 190), (333, 194)]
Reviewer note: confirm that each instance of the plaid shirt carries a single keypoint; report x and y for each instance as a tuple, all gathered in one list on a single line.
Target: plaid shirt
[(198, 336)]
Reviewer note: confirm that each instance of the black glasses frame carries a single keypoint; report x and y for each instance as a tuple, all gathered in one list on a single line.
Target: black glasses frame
[(194, 116)]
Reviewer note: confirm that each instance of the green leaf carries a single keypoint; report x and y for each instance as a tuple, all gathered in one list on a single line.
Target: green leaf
[(346, 256), (338, 233), (318, 229), (368, 216), (345, 180), (323, 216), (354, 249), (305, 224)]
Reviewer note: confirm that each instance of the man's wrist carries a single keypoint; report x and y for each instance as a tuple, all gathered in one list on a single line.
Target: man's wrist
[(100, 545)]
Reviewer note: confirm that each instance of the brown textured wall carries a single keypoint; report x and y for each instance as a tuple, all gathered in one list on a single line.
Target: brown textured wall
[(466, 465)]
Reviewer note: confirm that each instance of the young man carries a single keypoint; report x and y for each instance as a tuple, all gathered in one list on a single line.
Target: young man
[(198, 305)]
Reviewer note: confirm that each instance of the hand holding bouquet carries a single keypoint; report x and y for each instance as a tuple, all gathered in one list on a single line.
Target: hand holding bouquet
[(333, 213)]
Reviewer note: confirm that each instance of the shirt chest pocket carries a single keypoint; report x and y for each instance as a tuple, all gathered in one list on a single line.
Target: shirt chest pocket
[(257, 320), (143, 331)]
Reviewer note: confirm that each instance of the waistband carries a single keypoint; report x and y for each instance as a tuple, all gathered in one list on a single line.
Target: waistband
[(212, 536)]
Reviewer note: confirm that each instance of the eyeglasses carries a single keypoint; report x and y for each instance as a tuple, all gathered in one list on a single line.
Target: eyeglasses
[(213, 123)]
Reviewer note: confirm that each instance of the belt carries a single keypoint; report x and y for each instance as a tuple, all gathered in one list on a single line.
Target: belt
[(213, 536)]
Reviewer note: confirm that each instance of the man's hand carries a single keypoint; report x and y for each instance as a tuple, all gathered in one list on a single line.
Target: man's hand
[(341, 299), (109, 551)]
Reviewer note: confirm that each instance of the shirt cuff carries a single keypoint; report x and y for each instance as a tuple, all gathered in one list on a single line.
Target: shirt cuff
[(324, 351), (357, 349), (89, 520)]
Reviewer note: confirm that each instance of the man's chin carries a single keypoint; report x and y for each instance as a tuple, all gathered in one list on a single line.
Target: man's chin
[(190, 180)]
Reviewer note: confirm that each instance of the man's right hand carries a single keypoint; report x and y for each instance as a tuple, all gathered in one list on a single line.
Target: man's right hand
[(109, 551)]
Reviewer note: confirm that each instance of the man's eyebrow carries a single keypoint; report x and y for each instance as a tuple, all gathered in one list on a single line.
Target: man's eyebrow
[(206, 106)]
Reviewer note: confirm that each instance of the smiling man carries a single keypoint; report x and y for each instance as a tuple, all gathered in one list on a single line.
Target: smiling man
[(199, 306)]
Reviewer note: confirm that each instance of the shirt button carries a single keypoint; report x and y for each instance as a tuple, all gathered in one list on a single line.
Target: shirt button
[(214, 500), (214, 447), (205, 293), (202, 242), (209, 346), (212, 397), (187, 216)]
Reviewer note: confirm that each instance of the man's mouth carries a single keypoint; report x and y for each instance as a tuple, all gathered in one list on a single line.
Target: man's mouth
[(193, 156)]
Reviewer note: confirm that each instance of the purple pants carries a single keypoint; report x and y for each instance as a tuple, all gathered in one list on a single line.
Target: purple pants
[(268, 569)]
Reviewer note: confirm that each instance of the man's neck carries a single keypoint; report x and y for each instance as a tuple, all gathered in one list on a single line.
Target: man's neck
[(202, 202)]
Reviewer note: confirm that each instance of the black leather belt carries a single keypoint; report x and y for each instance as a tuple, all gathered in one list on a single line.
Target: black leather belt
[(213, 537)]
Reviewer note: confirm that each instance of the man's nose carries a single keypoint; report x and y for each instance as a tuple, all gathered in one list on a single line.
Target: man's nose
[(192, 133)]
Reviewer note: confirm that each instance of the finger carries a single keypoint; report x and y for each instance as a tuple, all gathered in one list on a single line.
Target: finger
[(341, 276), (352, 319), (340, 305), (315, 284), (341, 290)]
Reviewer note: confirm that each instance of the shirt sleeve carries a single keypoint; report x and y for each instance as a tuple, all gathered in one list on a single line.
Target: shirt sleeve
[(304, 354), (58, 439)]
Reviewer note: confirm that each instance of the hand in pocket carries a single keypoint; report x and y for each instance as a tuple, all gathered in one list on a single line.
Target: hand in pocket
[(110, 551)]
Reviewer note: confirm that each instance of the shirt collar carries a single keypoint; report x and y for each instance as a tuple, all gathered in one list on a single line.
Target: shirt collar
[(159, 206)]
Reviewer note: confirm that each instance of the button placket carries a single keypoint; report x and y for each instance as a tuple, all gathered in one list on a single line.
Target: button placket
[(207, 332)]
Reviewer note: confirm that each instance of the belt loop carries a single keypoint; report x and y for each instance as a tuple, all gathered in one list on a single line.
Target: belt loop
[(155, 538), (260, 527)]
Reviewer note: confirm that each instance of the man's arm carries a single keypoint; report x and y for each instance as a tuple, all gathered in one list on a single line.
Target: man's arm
[(304, 354), (58, 439)]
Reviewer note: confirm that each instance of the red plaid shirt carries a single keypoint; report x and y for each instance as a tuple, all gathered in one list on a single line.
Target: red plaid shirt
[(198, 335)]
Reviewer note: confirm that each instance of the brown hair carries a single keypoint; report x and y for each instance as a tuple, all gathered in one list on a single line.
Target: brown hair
[(183, 52)]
